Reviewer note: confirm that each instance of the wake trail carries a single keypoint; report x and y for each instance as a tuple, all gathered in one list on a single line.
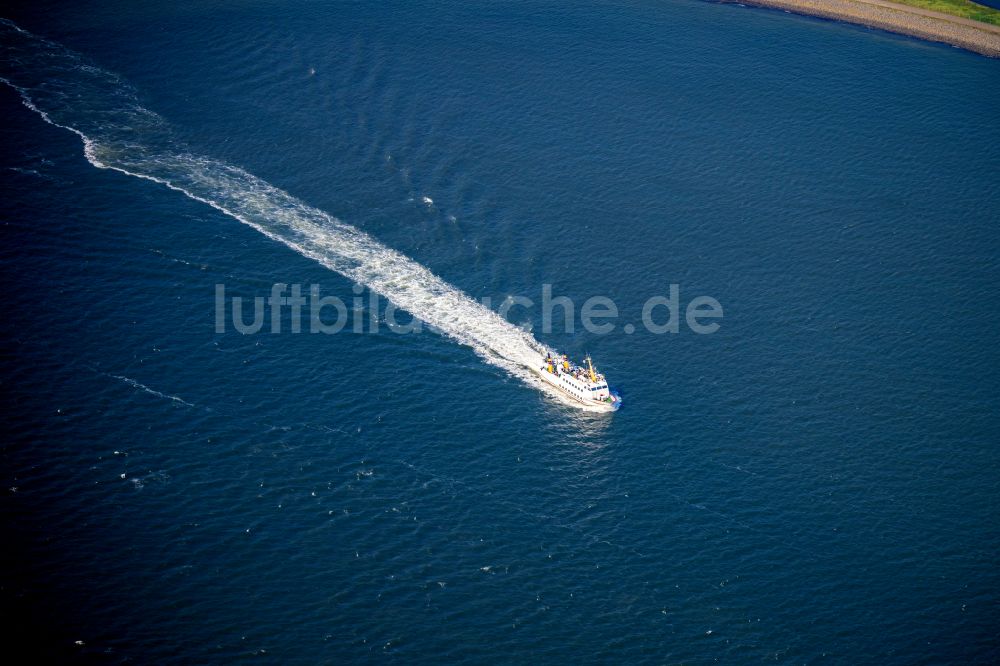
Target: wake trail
[(142, 387), (119, 133)]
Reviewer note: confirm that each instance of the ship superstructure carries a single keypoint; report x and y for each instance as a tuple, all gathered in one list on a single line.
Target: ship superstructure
[(582, 383)]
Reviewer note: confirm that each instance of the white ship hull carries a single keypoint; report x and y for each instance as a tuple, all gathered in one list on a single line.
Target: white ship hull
[(579, 389)]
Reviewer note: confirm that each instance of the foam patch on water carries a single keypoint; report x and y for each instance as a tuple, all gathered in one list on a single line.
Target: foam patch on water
[(142, 387), (118, 133)]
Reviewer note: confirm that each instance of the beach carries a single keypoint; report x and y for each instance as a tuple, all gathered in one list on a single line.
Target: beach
[(968, 34)]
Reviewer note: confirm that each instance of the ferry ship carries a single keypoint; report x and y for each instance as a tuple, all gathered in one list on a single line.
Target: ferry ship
[(583, 384)]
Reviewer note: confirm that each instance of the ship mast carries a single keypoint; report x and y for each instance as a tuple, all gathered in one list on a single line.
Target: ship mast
[(590, 367)]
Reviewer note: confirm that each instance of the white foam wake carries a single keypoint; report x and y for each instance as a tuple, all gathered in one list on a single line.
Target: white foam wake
[(142, 387), (118, 133)]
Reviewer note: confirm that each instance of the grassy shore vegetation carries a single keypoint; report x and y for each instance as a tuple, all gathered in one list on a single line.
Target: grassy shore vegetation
[(963, 8)]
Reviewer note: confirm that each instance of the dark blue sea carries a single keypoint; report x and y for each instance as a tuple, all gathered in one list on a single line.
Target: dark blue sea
[(817, 481)]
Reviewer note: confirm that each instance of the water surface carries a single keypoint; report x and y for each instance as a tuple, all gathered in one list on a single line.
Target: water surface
[(814, 482)]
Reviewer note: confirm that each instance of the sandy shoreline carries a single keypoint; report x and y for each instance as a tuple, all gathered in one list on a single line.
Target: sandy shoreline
[(934, 26)]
